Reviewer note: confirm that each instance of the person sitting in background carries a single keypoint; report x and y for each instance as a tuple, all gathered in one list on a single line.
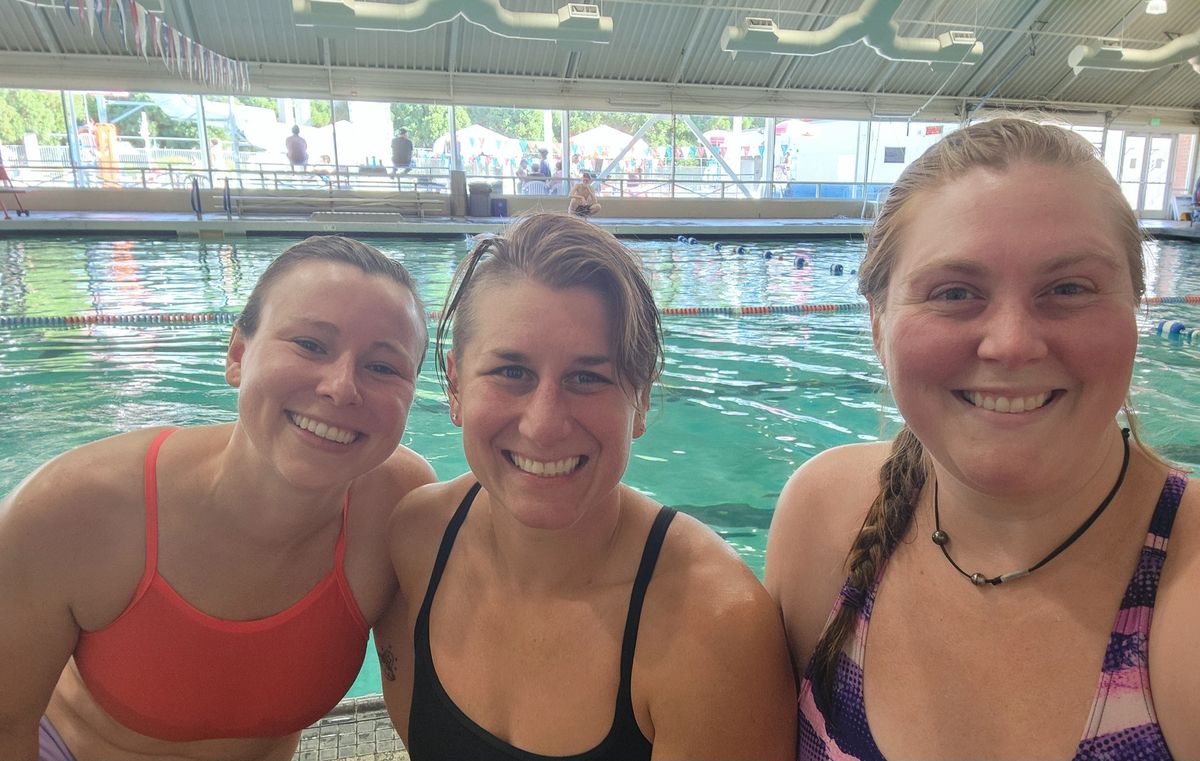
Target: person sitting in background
[(402, 151), (205, 592), (582, 201), (990, 547), (545, 608), (297, 149)]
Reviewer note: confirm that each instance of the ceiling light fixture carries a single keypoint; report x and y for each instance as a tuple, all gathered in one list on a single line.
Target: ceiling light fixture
[(1156, 7)]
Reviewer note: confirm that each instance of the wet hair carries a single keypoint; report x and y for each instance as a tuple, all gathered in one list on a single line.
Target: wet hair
[(329, 248), (996, 145), (295, 129), (561, 252)]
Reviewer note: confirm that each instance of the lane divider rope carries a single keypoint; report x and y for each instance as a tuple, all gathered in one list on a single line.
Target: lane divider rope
[(228, 318)]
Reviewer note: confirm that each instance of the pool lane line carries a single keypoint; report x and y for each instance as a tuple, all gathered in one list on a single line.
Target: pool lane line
[(228, 318)]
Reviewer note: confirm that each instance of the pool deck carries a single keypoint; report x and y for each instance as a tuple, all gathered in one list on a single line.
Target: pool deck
[(216, 226), (358, 729)]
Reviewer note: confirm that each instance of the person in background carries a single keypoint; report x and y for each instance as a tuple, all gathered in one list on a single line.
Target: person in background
[(1008, 549), (297, 149), (582, 201), (543, 164), (546, 609), (402, 151), (559, 185), (7, 183), (205, 592), (522, 174)]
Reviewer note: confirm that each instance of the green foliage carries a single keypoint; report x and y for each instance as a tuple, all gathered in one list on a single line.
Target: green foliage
[(425, 122), (319, 113), (36, 111)]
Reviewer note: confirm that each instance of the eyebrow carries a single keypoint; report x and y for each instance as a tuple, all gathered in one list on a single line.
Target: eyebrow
[(588, 360), (328, 327), (973, 268)]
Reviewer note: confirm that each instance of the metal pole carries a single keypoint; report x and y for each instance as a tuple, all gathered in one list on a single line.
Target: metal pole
[(455, 161), (68, 100), (337, 163), (202, 129), (673, 123)]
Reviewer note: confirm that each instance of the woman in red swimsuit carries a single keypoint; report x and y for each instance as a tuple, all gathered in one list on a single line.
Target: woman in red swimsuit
[(206, 592)]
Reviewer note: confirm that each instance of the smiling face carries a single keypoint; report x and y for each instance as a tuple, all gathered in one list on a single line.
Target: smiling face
[(547, 427), (327, 378), (1008, 328)]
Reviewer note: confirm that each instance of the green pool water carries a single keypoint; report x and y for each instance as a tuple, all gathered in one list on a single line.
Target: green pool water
[(743, 402)]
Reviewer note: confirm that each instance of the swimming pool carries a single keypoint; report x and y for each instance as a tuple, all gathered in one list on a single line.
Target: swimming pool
[(743, 402)]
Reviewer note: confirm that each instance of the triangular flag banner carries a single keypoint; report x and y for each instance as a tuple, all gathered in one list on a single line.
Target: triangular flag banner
[(145, 34)]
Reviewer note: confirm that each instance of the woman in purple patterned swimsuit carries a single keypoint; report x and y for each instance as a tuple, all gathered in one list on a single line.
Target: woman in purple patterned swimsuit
[(1007, 551)]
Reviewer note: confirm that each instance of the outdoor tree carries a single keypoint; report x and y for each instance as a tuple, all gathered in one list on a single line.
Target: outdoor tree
[(36, 111)]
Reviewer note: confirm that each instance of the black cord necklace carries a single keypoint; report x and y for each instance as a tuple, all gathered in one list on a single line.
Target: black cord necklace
[(942, 539)]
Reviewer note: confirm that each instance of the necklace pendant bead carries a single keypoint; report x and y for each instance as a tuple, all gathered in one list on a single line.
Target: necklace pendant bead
[(978, 579), (941, 538)]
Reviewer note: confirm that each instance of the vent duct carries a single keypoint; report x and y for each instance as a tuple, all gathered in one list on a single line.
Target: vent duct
[(1110, 54), (573, 24), (872, 24)]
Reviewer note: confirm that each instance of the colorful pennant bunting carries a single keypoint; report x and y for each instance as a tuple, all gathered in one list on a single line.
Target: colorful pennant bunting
[(144, 34)]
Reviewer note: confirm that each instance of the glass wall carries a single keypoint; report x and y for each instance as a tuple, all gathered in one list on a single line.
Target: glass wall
[(153, 140)]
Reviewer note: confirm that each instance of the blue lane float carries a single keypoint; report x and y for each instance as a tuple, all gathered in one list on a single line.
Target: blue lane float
[(1177, 331), (735, 248)]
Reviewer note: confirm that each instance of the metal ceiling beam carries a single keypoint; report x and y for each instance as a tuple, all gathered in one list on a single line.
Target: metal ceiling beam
[(182, 12), (45, 32), (1014, 38), (1144, 89), (685, 56)]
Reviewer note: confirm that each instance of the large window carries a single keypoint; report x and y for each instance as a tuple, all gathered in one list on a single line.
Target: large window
[(155, 140)]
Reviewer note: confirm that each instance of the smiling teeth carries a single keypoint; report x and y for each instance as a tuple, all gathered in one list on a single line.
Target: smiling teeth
[(1008, 404), (545, 469), (323, 430)]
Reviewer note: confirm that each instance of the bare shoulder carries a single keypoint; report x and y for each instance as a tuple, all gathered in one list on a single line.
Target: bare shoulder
[(375, 494), (820, 510), (722, 686), (404, 471), (416, 527), (1174, 659), (88, 505), (84, 488)]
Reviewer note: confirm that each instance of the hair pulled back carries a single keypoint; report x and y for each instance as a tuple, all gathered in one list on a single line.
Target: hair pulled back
[(561, 252), (996, 145), (327, 248)]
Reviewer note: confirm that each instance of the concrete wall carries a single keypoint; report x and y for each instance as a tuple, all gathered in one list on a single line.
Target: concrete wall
[(178, 201), (706, 208), (117, 199)]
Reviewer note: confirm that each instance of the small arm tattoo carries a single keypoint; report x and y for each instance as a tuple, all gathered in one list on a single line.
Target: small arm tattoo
[(387, 659)]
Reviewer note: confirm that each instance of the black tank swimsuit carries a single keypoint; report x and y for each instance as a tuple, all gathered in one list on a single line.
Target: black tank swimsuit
[(439, 731)]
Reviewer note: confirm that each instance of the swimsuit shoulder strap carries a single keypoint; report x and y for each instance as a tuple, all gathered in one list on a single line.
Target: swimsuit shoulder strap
[(443, 555)]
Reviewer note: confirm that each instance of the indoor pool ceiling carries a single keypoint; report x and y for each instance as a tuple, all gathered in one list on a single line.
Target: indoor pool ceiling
[(922, 59)]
